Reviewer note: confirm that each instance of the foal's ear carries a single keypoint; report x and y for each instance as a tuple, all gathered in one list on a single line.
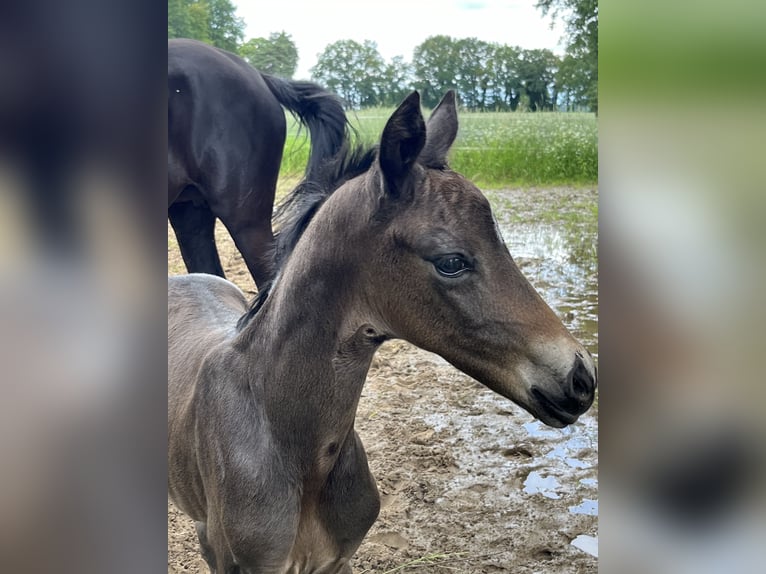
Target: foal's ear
[(441, 132), (401, 142)]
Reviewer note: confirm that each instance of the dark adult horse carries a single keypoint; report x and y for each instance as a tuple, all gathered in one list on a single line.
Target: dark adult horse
[(262, 451), (226, 133)]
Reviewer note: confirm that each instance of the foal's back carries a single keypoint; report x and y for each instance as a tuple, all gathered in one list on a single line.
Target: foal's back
[(202, 313), (204, 302)]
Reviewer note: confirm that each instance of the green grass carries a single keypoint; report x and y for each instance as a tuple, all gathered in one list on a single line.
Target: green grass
[(493, 150)]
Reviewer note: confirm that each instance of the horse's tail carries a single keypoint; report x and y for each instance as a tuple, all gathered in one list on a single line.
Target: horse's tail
[(319, 110)]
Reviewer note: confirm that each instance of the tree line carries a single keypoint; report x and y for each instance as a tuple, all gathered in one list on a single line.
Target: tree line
[(487, 76)]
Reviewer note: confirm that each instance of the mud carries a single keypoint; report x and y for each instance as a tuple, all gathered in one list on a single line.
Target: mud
[(469, 482)]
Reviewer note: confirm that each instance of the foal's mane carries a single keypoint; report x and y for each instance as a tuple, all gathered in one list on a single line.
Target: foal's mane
[(297, 210)]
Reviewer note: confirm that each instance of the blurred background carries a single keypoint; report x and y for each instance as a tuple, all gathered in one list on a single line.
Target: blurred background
[(82, 291), (681, 275), (682, 136)]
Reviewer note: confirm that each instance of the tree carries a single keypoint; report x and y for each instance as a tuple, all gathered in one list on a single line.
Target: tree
[(226, 29), (212, 21), (485, 81), (581, 18), (352, 70), (508, 85), (537, 70), (485, 75), (189, 19), (396, 82), (435, 65), (275, 55), (573, 83), (472, 73), (178, 18)]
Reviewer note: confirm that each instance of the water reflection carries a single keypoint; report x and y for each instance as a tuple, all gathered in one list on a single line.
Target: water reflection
[(537, 483), (587, 506), (557, 250)]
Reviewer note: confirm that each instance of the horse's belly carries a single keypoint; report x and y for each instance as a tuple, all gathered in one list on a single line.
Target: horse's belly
[(191, 194)]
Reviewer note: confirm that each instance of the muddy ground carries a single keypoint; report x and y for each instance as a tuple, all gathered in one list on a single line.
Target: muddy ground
[(469, 482)]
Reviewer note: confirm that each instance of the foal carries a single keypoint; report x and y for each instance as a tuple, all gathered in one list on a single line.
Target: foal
[(262, 449)]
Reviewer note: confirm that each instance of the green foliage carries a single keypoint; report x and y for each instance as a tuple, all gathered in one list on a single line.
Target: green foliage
[(211, 21), (227, 30), (581, 18), (487, 76), (353, 71), (495, 150), (395, 82), (575, 85), (508, 85), (435, 64), (275, 55), (537, 74), (188, 19)]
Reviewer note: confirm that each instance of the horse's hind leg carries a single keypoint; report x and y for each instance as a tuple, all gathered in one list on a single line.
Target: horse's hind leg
[(256, 243), (194, 226)]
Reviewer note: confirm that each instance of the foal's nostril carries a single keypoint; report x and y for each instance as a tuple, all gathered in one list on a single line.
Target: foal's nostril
[(583, 383)]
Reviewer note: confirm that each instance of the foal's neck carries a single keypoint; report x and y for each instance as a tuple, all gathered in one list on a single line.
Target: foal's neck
[(311, 344)]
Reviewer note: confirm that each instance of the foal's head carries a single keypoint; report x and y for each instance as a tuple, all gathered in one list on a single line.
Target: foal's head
[(418, 246)]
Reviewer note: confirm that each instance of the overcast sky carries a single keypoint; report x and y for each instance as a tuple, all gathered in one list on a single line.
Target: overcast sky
[(397, 26)]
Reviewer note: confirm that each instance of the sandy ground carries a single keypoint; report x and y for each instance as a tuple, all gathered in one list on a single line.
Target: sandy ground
[(469, 482)]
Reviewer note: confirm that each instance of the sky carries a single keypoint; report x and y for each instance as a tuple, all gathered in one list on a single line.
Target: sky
[(397, 26)]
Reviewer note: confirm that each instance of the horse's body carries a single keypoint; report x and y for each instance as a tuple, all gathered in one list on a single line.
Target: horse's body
[(262, 449), (226, 133)]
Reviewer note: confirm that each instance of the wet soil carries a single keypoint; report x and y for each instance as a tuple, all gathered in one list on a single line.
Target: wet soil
[(469, 482)]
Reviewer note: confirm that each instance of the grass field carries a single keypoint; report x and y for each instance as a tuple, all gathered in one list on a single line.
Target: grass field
[(494, 150)]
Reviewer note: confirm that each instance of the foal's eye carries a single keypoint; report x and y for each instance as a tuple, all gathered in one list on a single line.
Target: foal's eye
[(451, 265)]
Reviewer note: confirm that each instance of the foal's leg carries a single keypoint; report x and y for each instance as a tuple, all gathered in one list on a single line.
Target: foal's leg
[(195, 230), (216, 551), (207, 551)]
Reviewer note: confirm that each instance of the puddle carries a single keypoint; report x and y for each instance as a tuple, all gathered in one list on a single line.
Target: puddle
[(545, 485), (553, 237), (568, 450), (587, 506), (539, 430), (587, 544), (559, 259)]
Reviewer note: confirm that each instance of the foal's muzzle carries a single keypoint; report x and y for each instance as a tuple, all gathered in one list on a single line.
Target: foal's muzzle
[(575, 396)]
